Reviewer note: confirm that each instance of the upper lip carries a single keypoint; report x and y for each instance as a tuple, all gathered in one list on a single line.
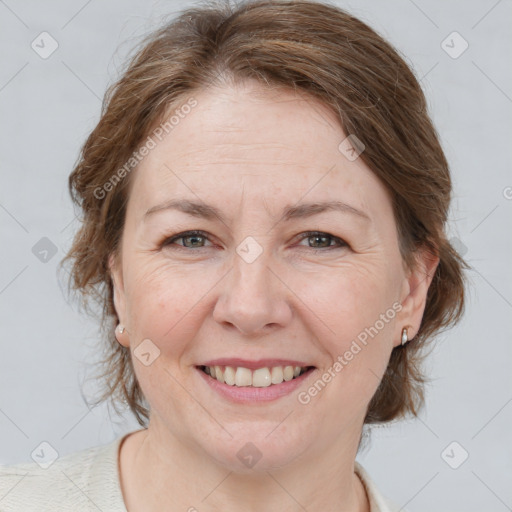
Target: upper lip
[(253, 365)]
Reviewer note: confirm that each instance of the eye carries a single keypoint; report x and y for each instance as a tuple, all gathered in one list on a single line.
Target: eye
[(194, 236), (323, 239), (196, 239)]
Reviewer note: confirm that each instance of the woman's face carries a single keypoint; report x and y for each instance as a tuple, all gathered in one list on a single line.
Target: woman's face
[(253, 289)]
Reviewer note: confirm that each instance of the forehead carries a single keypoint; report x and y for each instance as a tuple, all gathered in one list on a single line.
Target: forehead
[(274, 145), (254, 126)]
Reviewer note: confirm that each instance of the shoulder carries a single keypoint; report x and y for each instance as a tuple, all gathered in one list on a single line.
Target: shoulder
[(378, 502), (81, 481)]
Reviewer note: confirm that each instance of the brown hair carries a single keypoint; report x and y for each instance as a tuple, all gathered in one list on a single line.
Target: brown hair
[(311, 47)]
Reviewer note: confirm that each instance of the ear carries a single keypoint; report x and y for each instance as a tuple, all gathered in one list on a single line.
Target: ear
[(119, 296), (414, 294)]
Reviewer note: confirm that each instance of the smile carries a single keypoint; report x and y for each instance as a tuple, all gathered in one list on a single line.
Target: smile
[(259, 378), (260, 383)]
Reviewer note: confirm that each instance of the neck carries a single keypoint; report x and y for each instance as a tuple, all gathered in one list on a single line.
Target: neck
[(157, 469)]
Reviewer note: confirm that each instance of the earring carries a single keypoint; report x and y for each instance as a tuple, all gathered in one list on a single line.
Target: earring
[(404, 335), (120, 328)]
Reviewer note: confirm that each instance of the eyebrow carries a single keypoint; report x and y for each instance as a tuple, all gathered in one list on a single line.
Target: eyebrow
[(304, 210)]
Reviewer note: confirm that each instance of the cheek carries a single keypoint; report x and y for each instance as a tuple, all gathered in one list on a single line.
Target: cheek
[(165, 308), (356, 344), (165, 301), (353, 297), (357, 310)]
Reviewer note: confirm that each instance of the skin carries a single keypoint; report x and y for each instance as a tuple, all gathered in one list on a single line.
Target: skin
[(249, 152)]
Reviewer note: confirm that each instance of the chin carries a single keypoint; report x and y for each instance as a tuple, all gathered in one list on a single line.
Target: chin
[(258, 446)]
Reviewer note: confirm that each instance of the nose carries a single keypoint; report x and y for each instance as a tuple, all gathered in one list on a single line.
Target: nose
[(253, 299)]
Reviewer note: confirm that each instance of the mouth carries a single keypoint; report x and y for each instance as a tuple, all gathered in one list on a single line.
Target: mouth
[(263, 377), (248, 381)]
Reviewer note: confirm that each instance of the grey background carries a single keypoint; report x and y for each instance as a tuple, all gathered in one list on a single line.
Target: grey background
[(48, 107)]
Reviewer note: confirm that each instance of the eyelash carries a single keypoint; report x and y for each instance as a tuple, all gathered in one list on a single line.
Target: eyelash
[(305, 235)]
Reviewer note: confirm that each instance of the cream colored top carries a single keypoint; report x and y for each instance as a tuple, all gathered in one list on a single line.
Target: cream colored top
[(88, 480)]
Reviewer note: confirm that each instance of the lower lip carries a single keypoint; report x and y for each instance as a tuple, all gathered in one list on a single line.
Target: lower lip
[(249, 394)]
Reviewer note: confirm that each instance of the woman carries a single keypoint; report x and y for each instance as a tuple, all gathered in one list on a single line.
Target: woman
[(264, 206)]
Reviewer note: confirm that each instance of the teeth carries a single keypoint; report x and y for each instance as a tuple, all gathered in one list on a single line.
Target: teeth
[(277, 375), (243, 377), (219, 374), (229, 376), (288, 373), (260, 378)]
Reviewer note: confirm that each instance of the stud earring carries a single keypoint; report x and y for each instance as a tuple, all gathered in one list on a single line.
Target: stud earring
[(404, 336), (120, 328)]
